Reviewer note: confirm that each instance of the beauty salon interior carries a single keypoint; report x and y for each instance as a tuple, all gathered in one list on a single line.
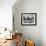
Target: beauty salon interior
[(22, 22)]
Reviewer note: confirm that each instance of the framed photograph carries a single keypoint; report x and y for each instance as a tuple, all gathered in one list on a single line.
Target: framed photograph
[(28, 18)]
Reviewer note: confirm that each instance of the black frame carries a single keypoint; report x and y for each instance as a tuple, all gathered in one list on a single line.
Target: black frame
[(29, 24)]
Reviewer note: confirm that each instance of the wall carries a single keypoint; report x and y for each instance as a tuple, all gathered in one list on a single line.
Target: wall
[(6, 13), (43, 22), (29, 32)]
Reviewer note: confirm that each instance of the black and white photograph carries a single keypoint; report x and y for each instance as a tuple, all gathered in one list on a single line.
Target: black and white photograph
[(28, 18)]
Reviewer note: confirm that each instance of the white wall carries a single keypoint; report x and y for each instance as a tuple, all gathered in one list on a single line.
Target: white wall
[(43, 22), (6, 13), (30, 32)]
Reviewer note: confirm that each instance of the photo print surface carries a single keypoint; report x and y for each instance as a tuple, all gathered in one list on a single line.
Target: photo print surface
[(28, 18)]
